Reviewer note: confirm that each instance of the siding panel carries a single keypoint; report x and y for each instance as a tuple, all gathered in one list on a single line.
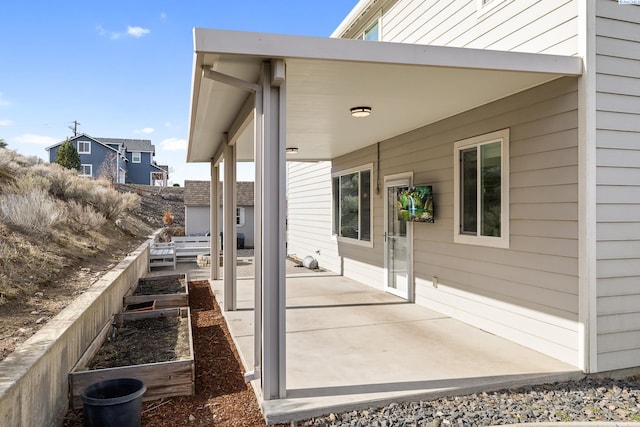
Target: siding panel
[(618, 179)]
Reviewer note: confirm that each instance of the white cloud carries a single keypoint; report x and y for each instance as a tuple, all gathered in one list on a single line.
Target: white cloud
[(137, 31), (144, 130), (163, 16), (31, 138), (167, 124), (174, 144), (3, 102), (6, 122)]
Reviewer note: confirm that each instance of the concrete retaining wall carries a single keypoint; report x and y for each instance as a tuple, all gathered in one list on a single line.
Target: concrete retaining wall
[(34, 388)]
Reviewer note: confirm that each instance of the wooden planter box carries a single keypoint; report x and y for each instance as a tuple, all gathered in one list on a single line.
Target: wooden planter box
[(144, 291), (163, 379)]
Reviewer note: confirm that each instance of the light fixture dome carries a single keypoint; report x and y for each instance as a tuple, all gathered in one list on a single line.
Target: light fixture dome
[(361, 111), (291, 150)]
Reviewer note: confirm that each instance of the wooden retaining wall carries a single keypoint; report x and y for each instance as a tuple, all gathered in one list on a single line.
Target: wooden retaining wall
[(34, 389)]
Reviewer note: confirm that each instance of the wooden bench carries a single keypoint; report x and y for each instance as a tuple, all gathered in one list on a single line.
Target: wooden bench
[(162, 255), (191, 246)]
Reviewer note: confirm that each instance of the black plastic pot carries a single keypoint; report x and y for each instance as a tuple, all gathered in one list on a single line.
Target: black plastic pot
[(113, 403)]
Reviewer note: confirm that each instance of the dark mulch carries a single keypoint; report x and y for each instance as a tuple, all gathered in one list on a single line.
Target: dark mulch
[(222, 397)]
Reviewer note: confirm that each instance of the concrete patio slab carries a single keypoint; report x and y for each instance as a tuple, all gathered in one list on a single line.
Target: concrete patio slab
[(350, 346)]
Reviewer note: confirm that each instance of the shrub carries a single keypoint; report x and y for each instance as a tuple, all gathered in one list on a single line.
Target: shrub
[(113, 203), (25, 184), (8, 166), (34, 212), (168, 218), (82, 218)]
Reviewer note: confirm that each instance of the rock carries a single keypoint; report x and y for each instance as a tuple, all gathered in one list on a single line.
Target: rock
[(35, 312), (191, 418), (39, 294), (40, 320), (126, 227)]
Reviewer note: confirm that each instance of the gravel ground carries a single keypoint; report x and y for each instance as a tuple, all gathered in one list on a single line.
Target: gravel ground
[(585, 400)]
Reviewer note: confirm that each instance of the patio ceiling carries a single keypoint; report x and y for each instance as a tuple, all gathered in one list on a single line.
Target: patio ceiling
[(407, 86)]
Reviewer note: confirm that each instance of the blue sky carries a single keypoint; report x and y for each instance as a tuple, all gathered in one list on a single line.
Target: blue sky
[(123, 68)]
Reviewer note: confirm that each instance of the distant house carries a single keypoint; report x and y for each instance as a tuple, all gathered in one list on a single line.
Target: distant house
[(122, 160), (196, 209)]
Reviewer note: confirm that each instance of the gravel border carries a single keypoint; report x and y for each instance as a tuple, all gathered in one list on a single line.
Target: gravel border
[(599, 401)]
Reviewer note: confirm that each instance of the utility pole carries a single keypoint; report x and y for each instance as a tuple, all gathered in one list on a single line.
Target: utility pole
[(74, 128)]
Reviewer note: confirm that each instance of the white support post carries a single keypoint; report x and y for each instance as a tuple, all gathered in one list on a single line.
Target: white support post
[(273, 234), (257, 235), (229, 234), (214, 203)]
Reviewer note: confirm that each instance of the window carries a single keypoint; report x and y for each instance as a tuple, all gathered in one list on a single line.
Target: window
[(136, 157), (84, 147), (372, 32), (352, 205), (86, 170), (481, 185), (240, 216)]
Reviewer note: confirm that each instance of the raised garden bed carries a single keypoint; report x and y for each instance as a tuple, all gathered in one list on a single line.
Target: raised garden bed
[(153, 346), (168, 291)]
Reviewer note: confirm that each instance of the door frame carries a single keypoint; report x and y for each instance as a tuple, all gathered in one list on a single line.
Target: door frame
[(405, 178)]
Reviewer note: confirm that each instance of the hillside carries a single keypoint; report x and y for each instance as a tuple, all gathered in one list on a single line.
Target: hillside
[(60, 233)]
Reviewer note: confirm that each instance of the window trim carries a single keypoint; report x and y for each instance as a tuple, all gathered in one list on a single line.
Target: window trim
[(496, 242), (240, 216), (139, 157), (88, 145), (350, 240), (374, 22), (82, 166)]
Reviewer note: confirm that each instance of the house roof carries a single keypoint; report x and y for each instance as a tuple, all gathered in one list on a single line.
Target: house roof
[(406, 85), (141, 145), (82, 135), (196, 193)]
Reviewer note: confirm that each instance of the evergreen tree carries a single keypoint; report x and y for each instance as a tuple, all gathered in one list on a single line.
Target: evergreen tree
[(68, 156), (3, 144)]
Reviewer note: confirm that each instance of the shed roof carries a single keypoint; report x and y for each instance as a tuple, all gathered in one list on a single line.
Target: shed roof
[(196, 193)]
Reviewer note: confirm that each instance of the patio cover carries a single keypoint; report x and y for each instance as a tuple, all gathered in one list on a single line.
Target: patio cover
[(253, 94)]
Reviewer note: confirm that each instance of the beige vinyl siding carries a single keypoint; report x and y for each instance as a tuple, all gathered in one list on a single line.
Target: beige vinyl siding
[(309, 213), (529, 292), (618, 184), (546, 26)]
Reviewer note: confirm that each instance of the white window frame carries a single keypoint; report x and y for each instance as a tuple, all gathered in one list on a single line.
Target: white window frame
[(366, 243), (133, 160), (375, 23), (240, 216), (82, 167), (496, 242), (88, 151)]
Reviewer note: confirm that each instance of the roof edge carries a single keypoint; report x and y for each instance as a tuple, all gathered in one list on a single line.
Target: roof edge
[(267, 45)]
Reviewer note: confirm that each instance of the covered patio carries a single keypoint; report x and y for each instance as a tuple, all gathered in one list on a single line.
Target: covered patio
[(350, 346), (317, 344)]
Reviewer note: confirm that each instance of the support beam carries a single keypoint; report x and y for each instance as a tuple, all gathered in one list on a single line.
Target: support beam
[(257, 235), (214, 203), (242, 120), (273, 236), (229, 234)]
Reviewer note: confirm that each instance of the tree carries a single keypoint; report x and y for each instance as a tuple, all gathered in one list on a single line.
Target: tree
[(68, 156), (3, 144), (109, 168)]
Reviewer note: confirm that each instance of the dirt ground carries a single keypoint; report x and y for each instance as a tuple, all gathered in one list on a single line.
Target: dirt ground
[(222, 398), (57, 270)]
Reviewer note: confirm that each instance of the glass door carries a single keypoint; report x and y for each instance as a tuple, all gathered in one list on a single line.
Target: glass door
[(398, 244)]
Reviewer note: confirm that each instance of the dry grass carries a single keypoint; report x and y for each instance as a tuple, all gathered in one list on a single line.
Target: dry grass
[(46, 200)]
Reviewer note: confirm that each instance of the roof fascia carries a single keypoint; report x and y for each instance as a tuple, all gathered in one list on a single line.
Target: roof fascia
[(353, 17), (265, 45)]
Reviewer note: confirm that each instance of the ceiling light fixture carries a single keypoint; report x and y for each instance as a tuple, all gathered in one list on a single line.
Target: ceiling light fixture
[(360, 111), (292, 150)]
